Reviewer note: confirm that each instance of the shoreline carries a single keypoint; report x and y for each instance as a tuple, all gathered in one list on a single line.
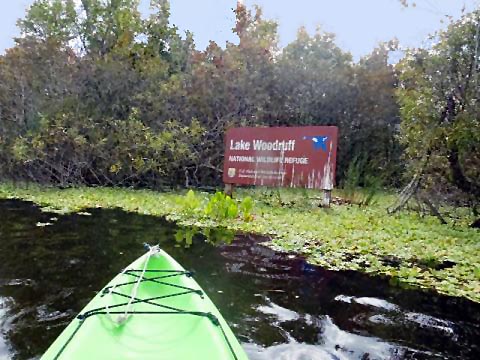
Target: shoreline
[(410, 249)]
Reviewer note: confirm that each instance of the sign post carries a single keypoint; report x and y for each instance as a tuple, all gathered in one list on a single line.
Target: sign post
[(282, 157), (228, 190)]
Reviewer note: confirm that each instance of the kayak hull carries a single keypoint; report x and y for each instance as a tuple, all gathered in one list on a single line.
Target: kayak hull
[(153, 310)]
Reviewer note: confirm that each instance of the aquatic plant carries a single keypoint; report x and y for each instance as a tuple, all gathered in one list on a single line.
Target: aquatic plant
[(221, 207), (190, 203), (246, 208), (218, 207)]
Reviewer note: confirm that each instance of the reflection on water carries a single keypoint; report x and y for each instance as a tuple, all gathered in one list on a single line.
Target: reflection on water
[(279, 306), (327, 346), (335, 344), (218, 236)]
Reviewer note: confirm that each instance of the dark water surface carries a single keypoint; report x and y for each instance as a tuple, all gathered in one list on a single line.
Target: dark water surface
[(279, 306)]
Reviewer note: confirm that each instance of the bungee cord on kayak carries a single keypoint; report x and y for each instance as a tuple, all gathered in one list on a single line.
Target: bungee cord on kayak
[(122, 318)]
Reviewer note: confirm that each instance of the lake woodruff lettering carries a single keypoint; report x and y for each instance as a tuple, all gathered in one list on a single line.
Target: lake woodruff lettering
[(261, 145)]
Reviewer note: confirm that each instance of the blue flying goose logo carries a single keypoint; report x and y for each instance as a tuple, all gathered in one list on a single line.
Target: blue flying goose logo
[(319, 142)]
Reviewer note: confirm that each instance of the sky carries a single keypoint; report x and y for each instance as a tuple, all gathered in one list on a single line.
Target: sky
[(358, 24)]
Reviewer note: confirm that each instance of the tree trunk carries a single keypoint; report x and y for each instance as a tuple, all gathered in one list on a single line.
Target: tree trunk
[(459, 178)]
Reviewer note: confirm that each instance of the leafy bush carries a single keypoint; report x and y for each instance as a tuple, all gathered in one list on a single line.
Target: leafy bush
[(113, 152), (221, 207)]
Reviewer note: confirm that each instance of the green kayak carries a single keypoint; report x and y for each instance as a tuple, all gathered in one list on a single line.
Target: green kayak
[(154, 309)]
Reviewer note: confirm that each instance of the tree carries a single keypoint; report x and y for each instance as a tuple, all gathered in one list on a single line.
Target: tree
[(376, 117), (51, 20), (227, 87), (439, 95), (318, 84)]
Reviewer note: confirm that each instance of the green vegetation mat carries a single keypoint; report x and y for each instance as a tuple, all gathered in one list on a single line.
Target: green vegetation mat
[(411, 249)]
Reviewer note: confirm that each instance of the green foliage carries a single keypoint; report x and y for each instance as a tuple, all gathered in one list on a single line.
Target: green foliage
[(220, 235), (190, 203), (246, 208), (185, 236), (111, 98), (438, 96), (221, 207), (371, 189), (119, 152), (359, 98), (215, 236), (218, 207), (359, 186), (352, 177), (51, 19)]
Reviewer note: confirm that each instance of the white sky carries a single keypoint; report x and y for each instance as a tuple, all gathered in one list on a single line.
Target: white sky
[(359, 24)]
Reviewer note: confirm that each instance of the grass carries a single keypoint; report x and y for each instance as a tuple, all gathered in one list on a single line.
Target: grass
[(409, 248)]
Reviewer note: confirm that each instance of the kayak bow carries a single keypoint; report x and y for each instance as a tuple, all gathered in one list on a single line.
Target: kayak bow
[(154, 309)]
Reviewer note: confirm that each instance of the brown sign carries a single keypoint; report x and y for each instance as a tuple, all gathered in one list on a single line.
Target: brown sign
[(281, 156)]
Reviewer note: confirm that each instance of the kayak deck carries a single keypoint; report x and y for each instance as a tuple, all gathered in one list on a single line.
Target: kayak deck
[(165, 313)]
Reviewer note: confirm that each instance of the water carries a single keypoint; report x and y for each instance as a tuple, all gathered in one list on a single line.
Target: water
[(279, 306)]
